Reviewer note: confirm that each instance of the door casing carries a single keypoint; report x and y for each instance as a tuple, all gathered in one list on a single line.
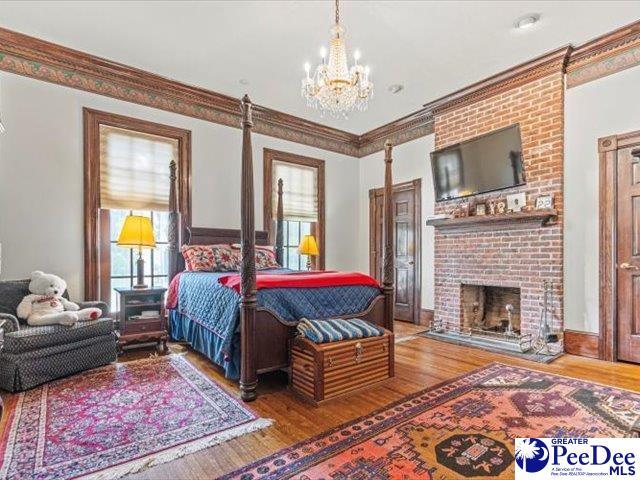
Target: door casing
[(608, 152)]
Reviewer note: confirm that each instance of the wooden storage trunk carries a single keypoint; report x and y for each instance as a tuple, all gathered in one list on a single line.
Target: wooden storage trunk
[(324, 371)]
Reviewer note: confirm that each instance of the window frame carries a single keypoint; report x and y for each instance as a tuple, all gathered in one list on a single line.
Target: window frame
[(318, 228), (95, 265)]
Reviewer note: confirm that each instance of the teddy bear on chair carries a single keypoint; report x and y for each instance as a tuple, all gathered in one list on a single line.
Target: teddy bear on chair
[(47, 306)]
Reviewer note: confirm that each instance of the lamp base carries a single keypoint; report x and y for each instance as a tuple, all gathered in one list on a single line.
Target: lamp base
[(140, 285)]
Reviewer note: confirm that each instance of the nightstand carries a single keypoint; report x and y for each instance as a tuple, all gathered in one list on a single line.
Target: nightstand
[(141, 316)]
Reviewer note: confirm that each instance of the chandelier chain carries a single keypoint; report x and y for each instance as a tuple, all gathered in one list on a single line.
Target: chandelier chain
[(337, 12)]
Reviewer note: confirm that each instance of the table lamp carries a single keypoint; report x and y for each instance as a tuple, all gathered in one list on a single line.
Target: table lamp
[(309, 247), (137, 232)]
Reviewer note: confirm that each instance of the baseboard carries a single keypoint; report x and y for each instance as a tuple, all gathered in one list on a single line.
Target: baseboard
[(426, 317), (585, 344)]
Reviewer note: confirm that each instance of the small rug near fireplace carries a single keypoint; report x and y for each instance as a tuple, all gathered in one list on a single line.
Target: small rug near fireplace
[(469, 342), (462, 428), (118, 420)]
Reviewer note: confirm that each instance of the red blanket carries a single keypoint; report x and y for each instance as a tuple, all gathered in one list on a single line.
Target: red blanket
[(314, 279)]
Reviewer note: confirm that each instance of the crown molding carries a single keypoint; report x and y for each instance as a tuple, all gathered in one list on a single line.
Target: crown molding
[(36, 58), (43, 60), (415, 125), (32, 57), (607, 54), (539, 67)]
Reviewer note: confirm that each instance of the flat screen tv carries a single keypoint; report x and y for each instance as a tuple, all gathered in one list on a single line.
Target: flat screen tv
[(483, 164)]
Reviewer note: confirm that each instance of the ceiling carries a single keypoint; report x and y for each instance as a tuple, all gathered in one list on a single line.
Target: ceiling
[(432, 48)]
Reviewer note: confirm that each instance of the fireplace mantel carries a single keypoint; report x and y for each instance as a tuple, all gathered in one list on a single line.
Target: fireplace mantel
[(506, 221)]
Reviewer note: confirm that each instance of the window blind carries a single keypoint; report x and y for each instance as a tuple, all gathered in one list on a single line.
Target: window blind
[(300, 191), (134, 169)]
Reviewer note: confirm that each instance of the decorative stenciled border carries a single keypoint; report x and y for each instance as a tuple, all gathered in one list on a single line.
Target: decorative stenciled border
[(49, 62), (415, 125), (605, 55), (35, 58)]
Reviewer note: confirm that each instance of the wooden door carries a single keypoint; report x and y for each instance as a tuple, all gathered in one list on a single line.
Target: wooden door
[(628, 254), (406, 208)]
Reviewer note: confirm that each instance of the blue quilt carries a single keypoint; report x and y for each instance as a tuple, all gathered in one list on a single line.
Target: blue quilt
[(208, 314)]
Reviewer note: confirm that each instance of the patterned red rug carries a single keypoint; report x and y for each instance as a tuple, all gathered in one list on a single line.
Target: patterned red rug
[(119, 419), (463, 428)]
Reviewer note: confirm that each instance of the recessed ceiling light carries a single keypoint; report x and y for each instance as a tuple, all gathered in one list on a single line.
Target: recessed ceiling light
[(527, 21), (243, 81), (395, 88)]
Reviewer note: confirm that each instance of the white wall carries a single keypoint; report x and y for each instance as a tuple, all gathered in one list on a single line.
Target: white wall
[(41, 178), (410, 161), (607, 106)]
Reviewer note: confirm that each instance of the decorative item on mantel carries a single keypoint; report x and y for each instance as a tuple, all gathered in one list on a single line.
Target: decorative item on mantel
[(491, 205), (516, 201), (501, 206), (334, 87), (544, 201)]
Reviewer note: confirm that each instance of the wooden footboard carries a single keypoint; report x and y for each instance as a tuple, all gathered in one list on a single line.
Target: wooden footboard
[(273, 337)]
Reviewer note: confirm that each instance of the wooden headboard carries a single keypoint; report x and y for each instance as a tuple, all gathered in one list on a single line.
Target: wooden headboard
[(212, 236)]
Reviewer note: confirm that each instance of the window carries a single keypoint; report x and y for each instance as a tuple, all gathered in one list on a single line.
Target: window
[(293, 233), (303, 203), (127, 172)]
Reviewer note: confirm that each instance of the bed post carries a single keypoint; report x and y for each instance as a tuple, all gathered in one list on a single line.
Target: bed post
[(388, 266), (279, 226), (248, 367), (175, 226)]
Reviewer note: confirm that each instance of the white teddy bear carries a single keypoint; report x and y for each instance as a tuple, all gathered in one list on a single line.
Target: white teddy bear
[(47, 306)]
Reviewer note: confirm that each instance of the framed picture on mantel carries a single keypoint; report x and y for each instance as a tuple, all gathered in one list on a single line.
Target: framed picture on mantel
[(544, 201), (516, 202)]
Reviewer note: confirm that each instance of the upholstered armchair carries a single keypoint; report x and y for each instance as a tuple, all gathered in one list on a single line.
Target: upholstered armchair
[(30, 356)]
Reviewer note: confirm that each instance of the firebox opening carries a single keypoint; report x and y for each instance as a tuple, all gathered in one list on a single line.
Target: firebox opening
[(491, 309)]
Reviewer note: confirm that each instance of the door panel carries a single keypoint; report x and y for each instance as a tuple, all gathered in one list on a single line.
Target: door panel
[(406, 247), (404, 254), (628, 255)]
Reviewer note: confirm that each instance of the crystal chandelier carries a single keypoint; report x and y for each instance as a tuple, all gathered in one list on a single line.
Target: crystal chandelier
[(334, 87)]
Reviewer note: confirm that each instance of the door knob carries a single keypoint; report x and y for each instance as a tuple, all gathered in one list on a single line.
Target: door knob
[(628, 266), (410, 262)]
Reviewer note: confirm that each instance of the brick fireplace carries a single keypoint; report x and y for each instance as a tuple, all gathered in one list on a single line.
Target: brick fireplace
[(516, 258)]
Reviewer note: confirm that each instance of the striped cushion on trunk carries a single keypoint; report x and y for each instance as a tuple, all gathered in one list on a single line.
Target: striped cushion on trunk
[(336, 329)]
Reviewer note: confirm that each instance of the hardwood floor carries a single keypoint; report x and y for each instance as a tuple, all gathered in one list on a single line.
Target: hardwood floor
[(420, 363)]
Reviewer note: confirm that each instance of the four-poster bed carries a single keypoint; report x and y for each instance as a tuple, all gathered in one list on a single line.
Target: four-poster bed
[(264, 334)]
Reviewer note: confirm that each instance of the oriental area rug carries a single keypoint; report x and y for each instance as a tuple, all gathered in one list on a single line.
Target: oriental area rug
[(119, 419), (462, 428)]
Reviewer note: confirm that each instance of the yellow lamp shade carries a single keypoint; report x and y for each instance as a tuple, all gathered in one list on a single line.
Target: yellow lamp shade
[(137, 232), (308, 246)]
